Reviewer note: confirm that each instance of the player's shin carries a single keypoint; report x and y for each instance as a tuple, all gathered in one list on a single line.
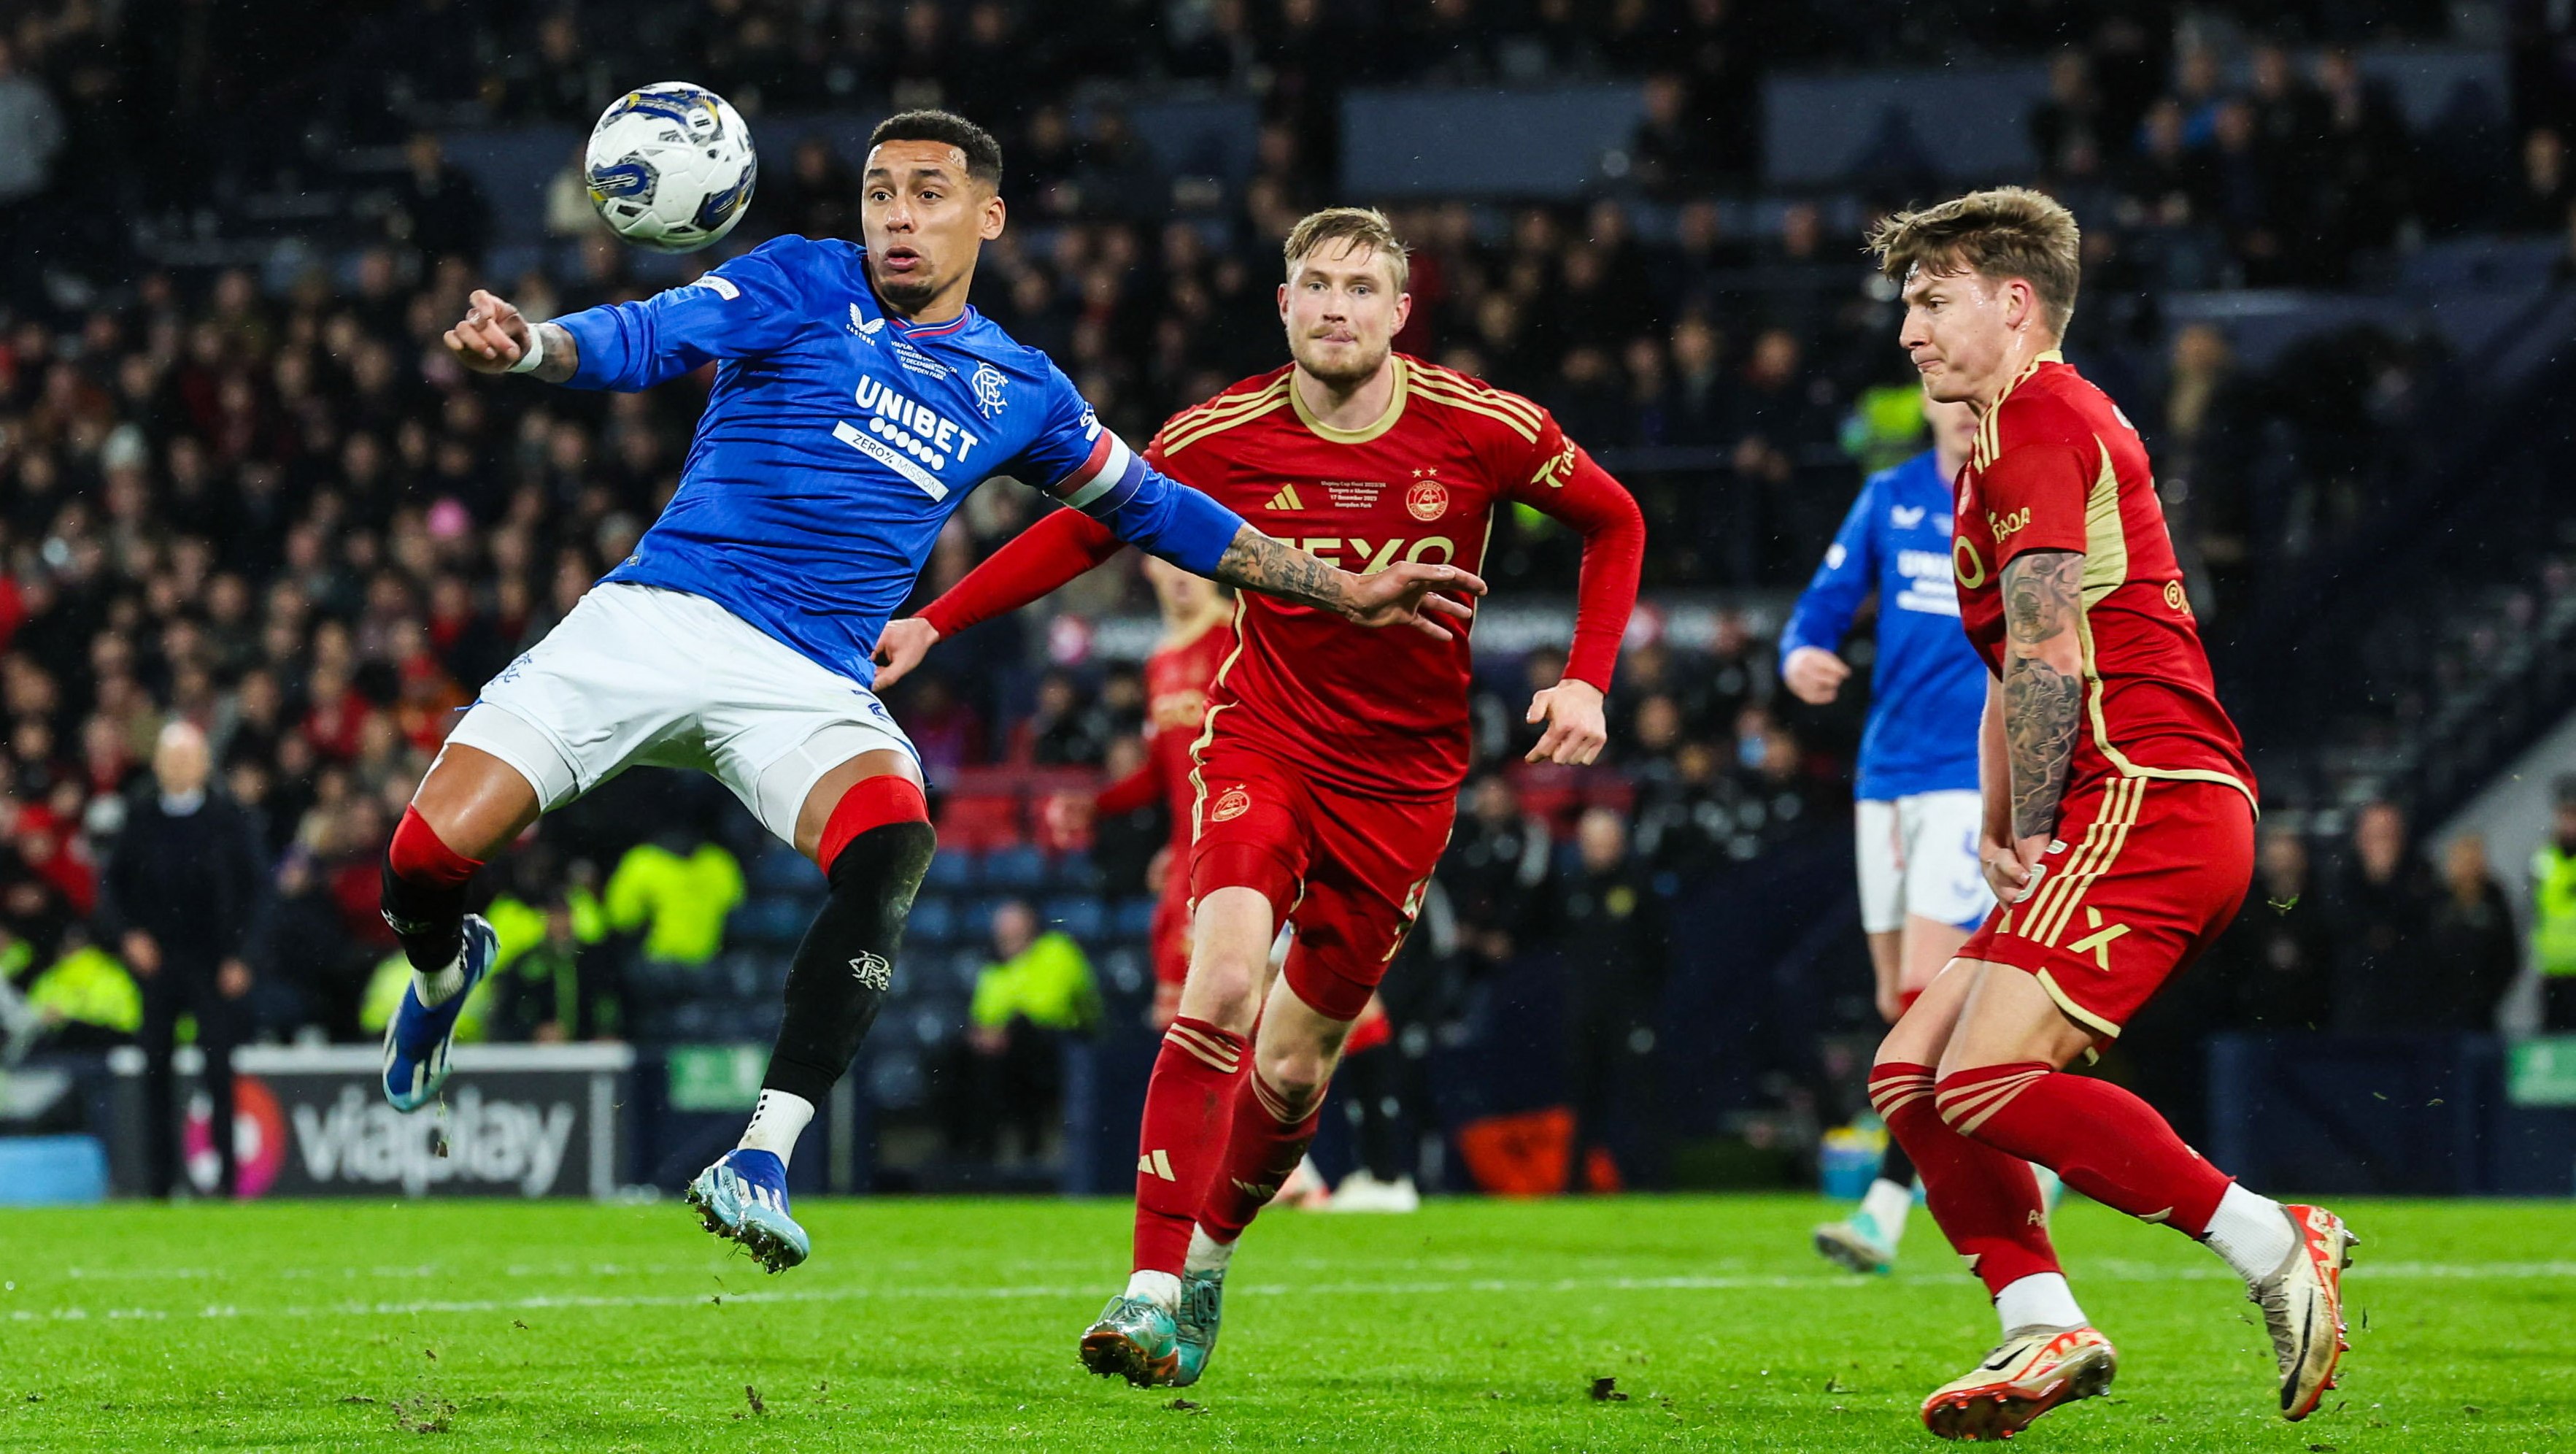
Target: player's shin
[(2105, 1142), (424, 885), (878, 847), (1986, 1202), (1180, 1143), (1273, 1126)]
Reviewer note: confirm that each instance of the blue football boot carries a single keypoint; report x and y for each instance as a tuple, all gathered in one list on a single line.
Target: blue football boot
[(1135, 1340), (743, 1198), (418, 1036), (1202, 1308)]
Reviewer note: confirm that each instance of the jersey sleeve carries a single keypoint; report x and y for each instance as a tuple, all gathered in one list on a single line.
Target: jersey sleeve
[(1138, 790), (1823, 615), (1079, 461), (2034, 496), (746, 307), (1030, 565), (1558, 478)]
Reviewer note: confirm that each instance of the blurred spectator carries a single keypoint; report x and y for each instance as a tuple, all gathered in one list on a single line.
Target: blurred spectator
[(2553, 913), (31, 136), (182, 894), (439, 208), (819, 196), (1496, 861), (2471, 950), (2546, 188), (1038, 990), (1613, 943), (2278, 957), (676, 890), (83, 1001), (2382, 984)]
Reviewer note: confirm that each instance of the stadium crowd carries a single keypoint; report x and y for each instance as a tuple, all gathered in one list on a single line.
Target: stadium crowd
[(282, 516)]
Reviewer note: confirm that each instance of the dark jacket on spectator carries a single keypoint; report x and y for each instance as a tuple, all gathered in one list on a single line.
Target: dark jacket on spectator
[(191, 880)]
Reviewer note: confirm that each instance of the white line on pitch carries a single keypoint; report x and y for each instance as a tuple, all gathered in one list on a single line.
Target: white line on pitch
[(2105, 1271)]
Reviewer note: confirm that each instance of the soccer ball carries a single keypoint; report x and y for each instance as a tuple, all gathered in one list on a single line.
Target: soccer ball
[(670, 166)]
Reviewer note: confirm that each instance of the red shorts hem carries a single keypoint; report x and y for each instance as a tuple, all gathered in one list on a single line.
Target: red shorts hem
[(2141, 875)]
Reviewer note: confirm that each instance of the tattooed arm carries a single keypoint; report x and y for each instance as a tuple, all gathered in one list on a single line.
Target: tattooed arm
[(2043, 682), (1402, 593)]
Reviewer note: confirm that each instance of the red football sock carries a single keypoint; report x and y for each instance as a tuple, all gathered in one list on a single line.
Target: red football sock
[(420, 856), (1262, 1153), (2105, 1142), (871, 802), (1986, 1202), (1181, 1143)]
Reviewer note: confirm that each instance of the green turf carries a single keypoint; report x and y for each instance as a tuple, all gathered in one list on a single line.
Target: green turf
[(951, 1325)]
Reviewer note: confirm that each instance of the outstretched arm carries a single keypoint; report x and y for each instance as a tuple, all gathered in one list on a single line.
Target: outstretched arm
[(494, 335), (748, 306), (1068, 542), (1585, 497), (1811, 644)]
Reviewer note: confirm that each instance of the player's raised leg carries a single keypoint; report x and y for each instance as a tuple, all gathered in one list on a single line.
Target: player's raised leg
[(867, 826), (2001, 1084), (469, 807)]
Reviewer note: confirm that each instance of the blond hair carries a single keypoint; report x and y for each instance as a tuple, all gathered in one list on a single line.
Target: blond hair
[(2008, 232), (1354, 227)]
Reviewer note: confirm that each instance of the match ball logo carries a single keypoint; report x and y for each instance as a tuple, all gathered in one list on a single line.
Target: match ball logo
[(1233, 804), (1427, 500)]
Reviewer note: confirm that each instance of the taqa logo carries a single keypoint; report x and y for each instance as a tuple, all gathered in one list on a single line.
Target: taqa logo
[(1230, 805), (1428, 500), (2007, 526)]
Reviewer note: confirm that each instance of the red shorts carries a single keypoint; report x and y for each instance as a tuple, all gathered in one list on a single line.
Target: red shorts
[(2142, 875), (1348, 871)]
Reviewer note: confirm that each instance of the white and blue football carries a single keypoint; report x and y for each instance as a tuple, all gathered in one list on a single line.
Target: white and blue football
[(671, 166)]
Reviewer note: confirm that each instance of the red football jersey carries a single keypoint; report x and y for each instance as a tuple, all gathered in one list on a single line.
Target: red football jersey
[(1177, 679), (1379, 712), (2057, 466)]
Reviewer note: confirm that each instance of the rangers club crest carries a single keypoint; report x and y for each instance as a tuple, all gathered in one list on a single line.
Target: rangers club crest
[(988, 389), (1428, 500)]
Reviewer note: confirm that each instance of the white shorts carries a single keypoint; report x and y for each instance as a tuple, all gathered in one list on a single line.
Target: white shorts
[(1918, 855), (638, 674)]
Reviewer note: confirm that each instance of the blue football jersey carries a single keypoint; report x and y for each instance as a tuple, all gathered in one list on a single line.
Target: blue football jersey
[(1928, 689), (837, 440)]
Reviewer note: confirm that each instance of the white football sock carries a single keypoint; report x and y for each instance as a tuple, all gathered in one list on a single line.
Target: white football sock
[(1886, 1205), (1207, 1254), (776, 1122), (440, 987), (2042, 1299), (1161, 1287), (2252, 1233)]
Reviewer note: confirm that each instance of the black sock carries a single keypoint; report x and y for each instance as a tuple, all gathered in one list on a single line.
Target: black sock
[(1895, 1165), (1369, 1079), (846, 964), (429, 919)]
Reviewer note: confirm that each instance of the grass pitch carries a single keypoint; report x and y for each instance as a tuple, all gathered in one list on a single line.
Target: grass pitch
[(1474, 1325)]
